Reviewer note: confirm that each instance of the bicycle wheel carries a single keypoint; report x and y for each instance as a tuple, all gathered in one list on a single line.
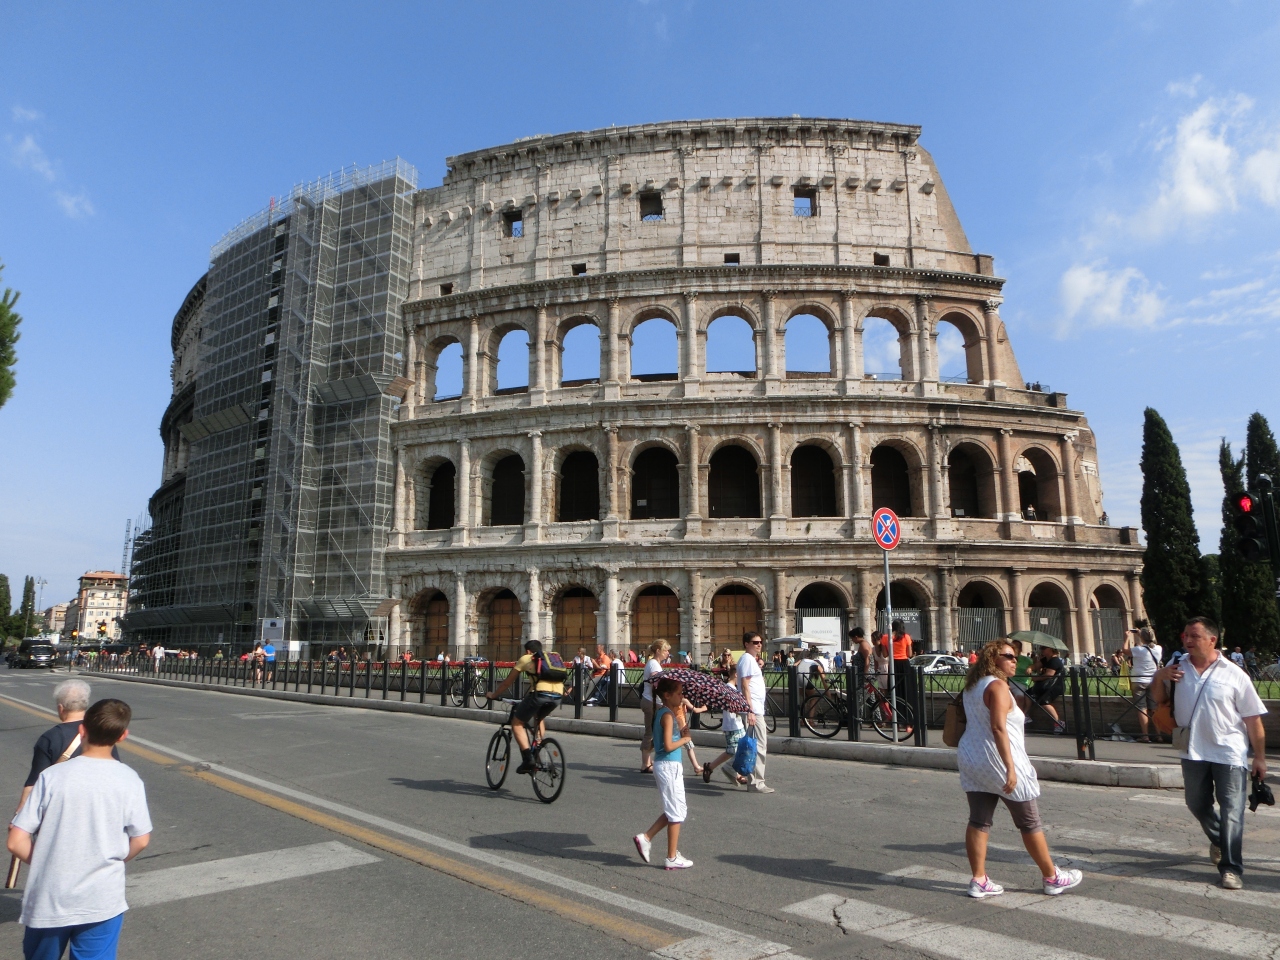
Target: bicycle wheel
[(455, 689), (548, 773), (882, 720), (770, 721), (497, 759), (822, 715), (711, 720)]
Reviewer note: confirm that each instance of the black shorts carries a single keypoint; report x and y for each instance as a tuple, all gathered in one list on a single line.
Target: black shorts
[(535, 707), (1045, 691)]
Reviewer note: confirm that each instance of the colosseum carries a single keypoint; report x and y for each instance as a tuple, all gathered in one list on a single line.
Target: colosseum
[(616, 505)]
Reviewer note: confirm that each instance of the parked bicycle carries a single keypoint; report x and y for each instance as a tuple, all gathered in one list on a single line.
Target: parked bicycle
[(456, 686), (546, 755), (825, 713)]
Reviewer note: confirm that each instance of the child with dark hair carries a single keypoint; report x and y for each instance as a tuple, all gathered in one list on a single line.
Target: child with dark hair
[(668, 773), (91, 814)]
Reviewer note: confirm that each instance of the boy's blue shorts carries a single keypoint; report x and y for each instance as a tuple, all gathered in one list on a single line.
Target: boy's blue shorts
[(89, 941)]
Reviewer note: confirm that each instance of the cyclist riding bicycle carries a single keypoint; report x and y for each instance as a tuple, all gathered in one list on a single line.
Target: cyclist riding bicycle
[(548, 690)]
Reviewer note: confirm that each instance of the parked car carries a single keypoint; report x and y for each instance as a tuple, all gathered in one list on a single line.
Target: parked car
[(939, 663), (37, 655)]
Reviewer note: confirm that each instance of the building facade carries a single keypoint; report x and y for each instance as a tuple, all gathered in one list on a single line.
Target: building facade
[(102, 600), (54, 617), (464, 416)]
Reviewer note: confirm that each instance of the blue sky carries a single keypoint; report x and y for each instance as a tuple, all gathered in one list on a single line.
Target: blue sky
[(1120, 160)]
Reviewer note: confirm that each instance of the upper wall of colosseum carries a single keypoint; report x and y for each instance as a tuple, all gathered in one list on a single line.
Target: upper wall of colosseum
[(748, 191), (186, 335)]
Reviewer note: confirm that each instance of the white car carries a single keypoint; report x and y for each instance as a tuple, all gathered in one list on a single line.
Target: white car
[(939, 663)]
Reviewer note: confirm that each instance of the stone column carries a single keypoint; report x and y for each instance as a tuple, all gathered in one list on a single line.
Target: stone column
[(535, 606), (612, 385), (852, 367), (1017, 609), (697, 636), (857, 503), (866, 601), (688, 340), (1134, 577), (533, 525), (780, 603), (1070, 501), (611, 640), (401, 523), (934, 467), (943, 639), (462, 494), (471, 383), (1012, 500), (458, 620), (771, 378), (538, 382), (775, 472), (991, 320), (693, 519), (612, 516), (1081, 627), (412, 370)]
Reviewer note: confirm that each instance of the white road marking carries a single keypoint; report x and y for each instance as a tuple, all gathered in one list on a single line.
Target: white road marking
[(1205, 934), (760, 947), (1211, 891), (1179, 802), (926, 936), (1111, 840), (233, 873)]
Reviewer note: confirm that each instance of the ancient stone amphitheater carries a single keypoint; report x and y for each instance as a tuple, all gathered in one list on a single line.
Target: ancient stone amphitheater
[(620, 498)]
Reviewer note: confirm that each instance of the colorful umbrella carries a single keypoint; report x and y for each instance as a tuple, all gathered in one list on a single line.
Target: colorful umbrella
[(706, 690)]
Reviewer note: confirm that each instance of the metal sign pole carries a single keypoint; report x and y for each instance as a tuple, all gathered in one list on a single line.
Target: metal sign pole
[(888, 611)]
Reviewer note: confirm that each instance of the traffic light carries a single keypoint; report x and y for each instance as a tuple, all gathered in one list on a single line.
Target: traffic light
[(1251, 528)]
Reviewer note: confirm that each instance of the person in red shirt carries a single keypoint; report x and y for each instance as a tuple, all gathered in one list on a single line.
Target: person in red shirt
[(904, 678)]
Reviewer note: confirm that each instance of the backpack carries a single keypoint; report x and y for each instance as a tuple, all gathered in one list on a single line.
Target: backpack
[(543, 672)]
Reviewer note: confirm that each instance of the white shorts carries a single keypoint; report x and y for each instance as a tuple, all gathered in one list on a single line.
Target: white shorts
[(669, 775)]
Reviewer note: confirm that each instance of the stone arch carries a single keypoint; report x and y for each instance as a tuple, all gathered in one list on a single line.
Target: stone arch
[(972, 481), (980, 591), (575, 609), (737, 606), (578, 479), (655, 615), (428, 614), (654, 347), (508, 356), (731, 344), (828, 597), (904, 327), (1039, 484), (501, 624), (654, 487), (897, 477), (503, 489), (444, 369), (814, 486), (1109, 616), (972, 346), (733, 482), (436, 499), (1049, 609), (809, 343), (979, 609), (576, 357), (911, 598)]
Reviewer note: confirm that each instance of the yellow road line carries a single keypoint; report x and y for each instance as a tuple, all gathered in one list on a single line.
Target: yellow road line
[(620, 928)]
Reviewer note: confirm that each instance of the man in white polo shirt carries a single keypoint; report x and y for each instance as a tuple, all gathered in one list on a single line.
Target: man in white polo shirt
[(1221, 715)]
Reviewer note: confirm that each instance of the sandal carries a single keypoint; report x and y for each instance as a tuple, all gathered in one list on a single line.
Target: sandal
[(706, 773), (646, 769)]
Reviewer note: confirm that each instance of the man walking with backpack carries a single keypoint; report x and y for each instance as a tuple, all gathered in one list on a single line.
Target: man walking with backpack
[(547, 692)]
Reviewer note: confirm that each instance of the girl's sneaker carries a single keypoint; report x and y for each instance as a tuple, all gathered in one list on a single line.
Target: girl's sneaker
[(642, 846), (1063, 881), (678, 862), (984, 888)]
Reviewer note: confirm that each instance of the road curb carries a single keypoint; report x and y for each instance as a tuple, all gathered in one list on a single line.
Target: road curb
[(1146, 776)]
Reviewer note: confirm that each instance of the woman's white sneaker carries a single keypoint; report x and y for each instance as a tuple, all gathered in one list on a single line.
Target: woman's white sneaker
[(979, 889), (678, 862), (1063, 881), (642, 846)]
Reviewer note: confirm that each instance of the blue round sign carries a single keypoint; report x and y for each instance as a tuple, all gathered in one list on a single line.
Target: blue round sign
[(886, 528)]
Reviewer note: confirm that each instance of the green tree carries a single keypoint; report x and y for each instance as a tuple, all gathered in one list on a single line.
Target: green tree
[(1211, 577), (1172, 584), (6, 605), (1249, 614), (28, 621), (9, 321), (1260, 453)]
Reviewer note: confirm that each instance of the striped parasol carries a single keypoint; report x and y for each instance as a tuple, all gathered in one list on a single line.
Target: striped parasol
[(706, 690)]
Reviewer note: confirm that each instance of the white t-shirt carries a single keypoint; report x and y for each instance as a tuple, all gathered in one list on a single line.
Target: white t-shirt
[(650, 668), (85, 811), (1145, 663), (158, 652), (804, 671), (1218, 732), (1237, 658), (730, 722), (753, 691)]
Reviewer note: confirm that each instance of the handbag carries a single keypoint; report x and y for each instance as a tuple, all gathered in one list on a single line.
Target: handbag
[(1182, 735), (954, 725), (744, 760)]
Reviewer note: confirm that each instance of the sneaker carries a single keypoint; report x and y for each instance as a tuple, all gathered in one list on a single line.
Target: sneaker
[(1215, 854), (760, 788), (978, 889), (1060, 727), (643, 844), (1231, 881), (1062, 882), (678, 862)]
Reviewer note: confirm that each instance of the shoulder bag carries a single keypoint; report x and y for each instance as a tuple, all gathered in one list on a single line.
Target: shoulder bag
[(1182, 735), (11, 878)]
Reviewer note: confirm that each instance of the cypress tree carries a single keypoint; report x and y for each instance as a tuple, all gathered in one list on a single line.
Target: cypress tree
[(9, 320), (6, 605), (1258, 620), (1172, 585), (1249, 614), (27, 612), (1261, 455)]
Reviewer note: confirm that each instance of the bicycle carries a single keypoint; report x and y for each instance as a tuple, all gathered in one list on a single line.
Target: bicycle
[(825, 713), (456, 685), (547, 756)]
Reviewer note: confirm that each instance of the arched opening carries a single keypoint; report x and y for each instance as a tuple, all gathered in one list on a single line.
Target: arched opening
[(579, 488), (1048, 610), (576, 620), (655, 351), (882, 350), (428, 623), (980, 614), (503, 626), (1108, 613), (580, 356), (890, 481), (909, 607), (1038, 486), (513, 362), (506, 492), (448, 373), (807, 346), (813, 483), (959, 349), (655, 485), (731, 347), (734, 610), (821, 611), (440, 497), (655, 616), (971, 481), (733, 484)]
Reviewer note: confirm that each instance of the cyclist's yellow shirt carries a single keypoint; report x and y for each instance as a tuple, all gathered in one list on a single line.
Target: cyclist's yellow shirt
[(525, 665)]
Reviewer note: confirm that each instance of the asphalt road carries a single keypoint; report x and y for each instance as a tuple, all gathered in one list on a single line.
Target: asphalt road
[(381, 839)]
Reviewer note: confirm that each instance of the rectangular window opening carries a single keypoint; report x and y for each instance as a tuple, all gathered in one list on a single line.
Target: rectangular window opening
[(880, 259), (446, 289), (579, 269), (513, 224), (732, 259), (805, 203), (651, 206)]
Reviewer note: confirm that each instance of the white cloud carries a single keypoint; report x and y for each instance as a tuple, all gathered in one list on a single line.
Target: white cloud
[(28, 155), (75, 206), (23, 115), (1185, 88), (1101, 297), (1262, 173)]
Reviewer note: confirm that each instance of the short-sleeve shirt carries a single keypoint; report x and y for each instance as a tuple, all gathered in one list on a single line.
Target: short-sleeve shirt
[(807, 671), (269, 651), (646, 687), (1056, 665), (50, 747), (754, 692), (729, 721), (525, 665), (1218, 733), (1144, 664), (85, 811)]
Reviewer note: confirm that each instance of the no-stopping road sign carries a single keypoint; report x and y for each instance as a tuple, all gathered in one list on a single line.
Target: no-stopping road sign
[(886, 528)]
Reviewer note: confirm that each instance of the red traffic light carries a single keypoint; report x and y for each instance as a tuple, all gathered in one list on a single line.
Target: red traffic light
[(1246, 503)]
